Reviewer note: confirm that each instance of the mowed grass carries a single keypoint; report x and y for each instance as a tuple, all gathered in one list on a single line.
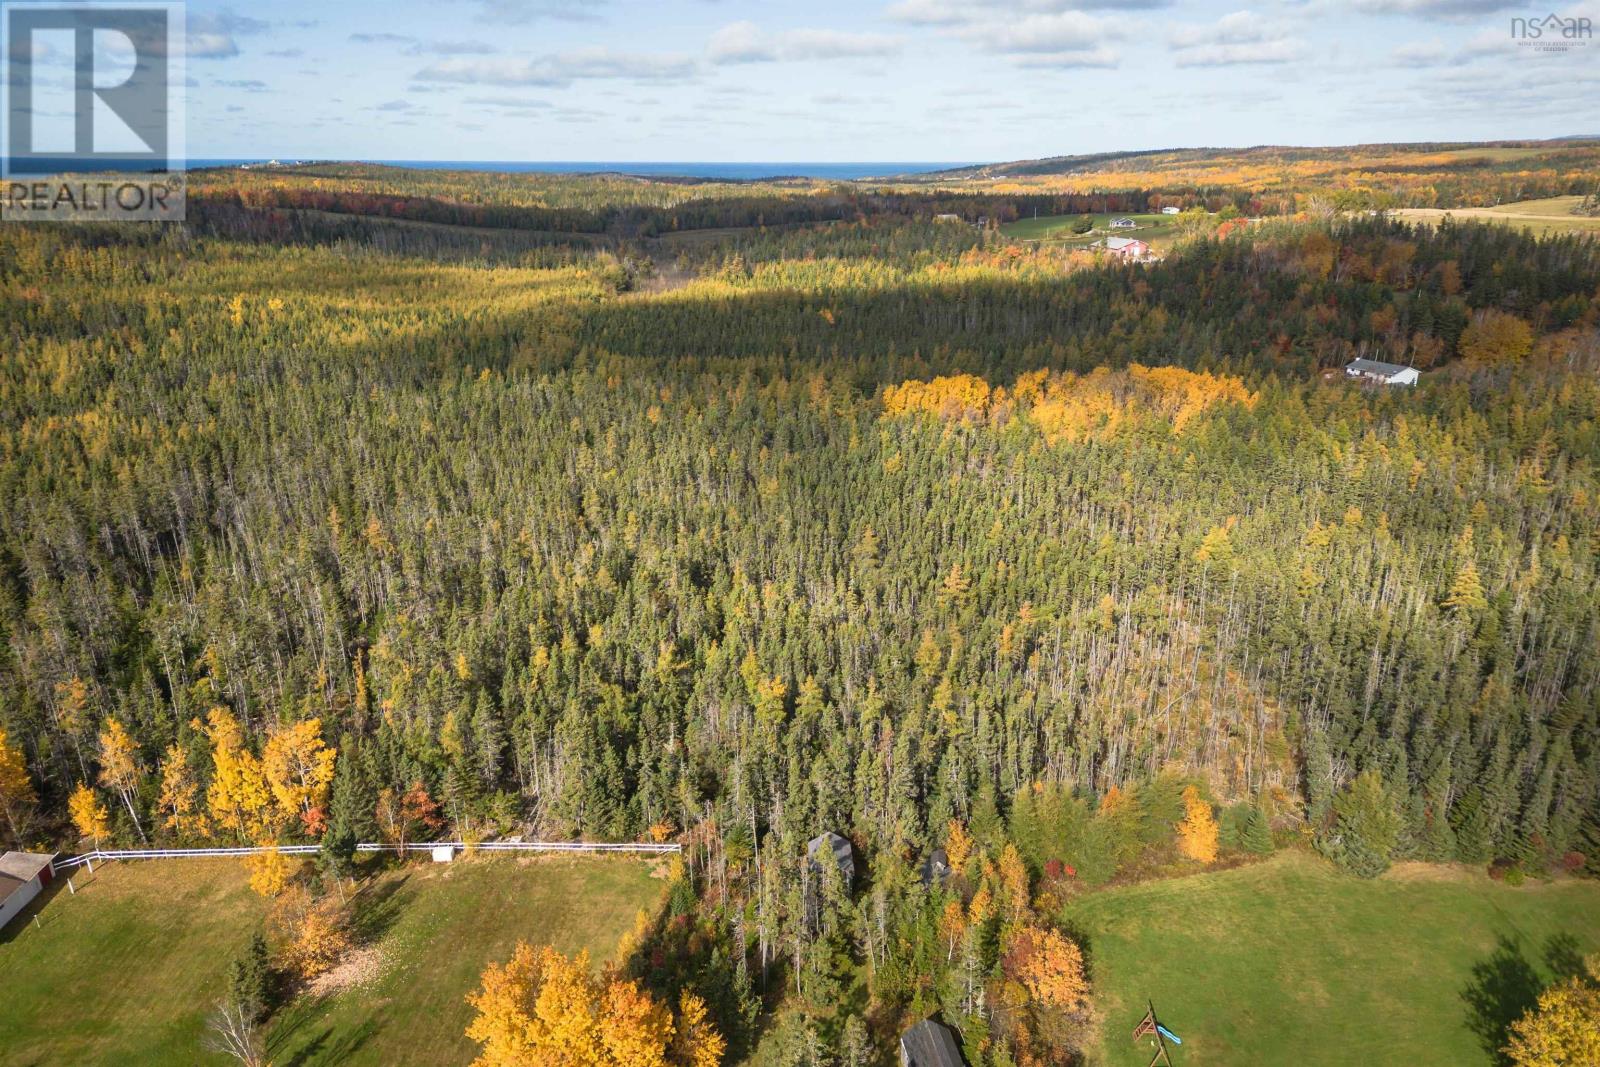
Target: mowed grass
[(1151, 228), (125, 971), (1290, 961)]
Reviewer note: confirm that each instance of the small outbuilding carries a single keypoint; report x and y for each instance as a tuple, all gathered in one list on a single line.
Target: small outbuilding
[(930, 1044), (1123, 223), (1171, 210), (844, 856), (23, 876), (935, 868), (1371, 370)]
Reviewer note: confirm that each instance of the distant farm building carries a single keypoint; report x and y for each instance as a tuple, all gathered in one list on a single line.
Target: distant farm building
[(947, 217), (1129, 248), (1170, 210), (832, 845), (1371, 370), (1123, 223), (22, 876), (929, 1044)]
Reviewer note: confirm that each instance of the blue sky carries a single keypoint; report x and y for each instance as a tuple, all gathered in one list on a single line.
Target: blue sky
[(832, 80)]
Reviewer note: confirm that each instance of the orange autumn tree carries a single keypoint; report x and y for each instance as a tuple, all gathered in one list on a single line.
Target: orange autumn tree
[(1197, 833), (544, 1008)]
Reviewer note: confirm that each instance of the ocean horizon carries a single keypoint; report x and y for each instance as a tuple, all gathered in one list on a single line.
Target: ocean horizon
[(733, 171)]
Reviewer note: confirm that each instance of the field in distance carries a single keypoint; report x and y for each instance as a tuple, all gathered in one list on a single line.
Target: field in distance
[(126, 970), (1152, 229), (1552, 215), (1290, 961)]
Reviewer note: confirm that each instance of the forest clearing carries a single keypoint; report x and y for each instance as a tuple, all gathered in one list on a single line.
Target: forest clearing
[(1550, 215), (143, 947), (1290, 961)]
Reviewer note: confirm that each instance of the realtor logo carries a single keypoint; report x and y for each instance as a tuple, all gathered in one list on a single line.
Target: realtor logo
[(93, 90), (1553, 33)]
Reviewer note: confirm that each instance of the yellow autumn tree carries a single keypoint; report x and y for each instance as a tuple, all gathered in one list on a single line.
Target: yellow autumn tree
[(1495, 338), (1197, 833), (1013, 883), (957, 846), (543, 1008), (635, 1028), (315, 933), (697, 1042), (238, 799), (269, 872), (17, 797), (179, 800), (119, 767), (89, 815), (299, 768), (1563, 1028)]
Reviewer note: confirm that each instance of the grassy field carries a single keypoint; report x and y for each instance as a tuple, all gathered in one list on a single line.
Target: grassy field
[(1289, 961), (1152, 229), (125, 971), (1542, 217)]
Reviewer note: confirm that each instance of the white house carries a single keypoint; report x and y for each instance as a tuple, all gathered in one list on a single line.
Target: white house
[(22, 876), (1123, 223), (1371, 370), (1171, 210)]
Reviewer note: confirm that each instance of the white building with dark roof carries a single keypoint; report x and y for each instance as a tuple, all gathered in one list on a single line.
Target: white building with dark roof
[(23, 875), (1371, 370)]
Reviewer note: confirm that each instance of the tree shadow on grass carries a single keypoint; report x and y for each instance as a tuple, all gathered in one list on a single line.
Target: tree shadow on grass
[(376, 906), (1562, 956), (1503, 987)]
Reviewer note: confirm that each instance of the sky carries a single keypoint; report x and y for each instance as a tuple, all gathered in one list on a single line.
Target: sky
[(866, 80)]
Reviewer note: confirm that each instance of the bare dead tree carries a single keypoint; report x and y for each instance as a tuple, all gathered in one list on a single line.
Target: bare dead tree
[(233, 1032)]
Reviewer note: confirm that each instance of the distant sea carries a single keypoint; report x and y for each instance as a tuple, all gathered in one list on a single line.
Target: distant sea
[(731, 171)]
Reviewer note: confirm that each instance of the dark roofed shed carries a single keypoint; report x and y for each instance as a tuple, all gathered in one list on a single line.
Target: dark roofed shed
[(929, 1044)]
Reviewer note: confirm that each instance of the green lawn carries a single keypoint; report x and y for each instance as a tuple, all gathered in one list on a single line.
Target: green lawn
[(1289, 961), (1151, 228), (125, 971)]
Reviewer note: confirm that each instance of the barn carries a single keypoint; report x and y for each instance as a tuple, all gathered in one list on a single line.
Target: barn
[(22, 876)]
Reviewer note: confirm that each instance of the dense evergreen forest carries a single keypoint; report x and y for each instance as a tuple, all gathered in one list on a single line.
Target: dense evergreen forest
[(880, 526)]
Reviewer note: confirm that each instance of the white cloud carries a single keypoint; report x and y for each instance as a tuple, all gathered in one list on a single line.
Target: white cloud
[(1237, 39), (559, 69), (213, 36), (451, 48), (1435, 7), (745, 42)]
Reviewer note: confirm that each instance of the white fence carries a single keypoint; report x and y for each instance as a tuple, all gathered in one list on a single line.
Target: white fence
[(100, 855)]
